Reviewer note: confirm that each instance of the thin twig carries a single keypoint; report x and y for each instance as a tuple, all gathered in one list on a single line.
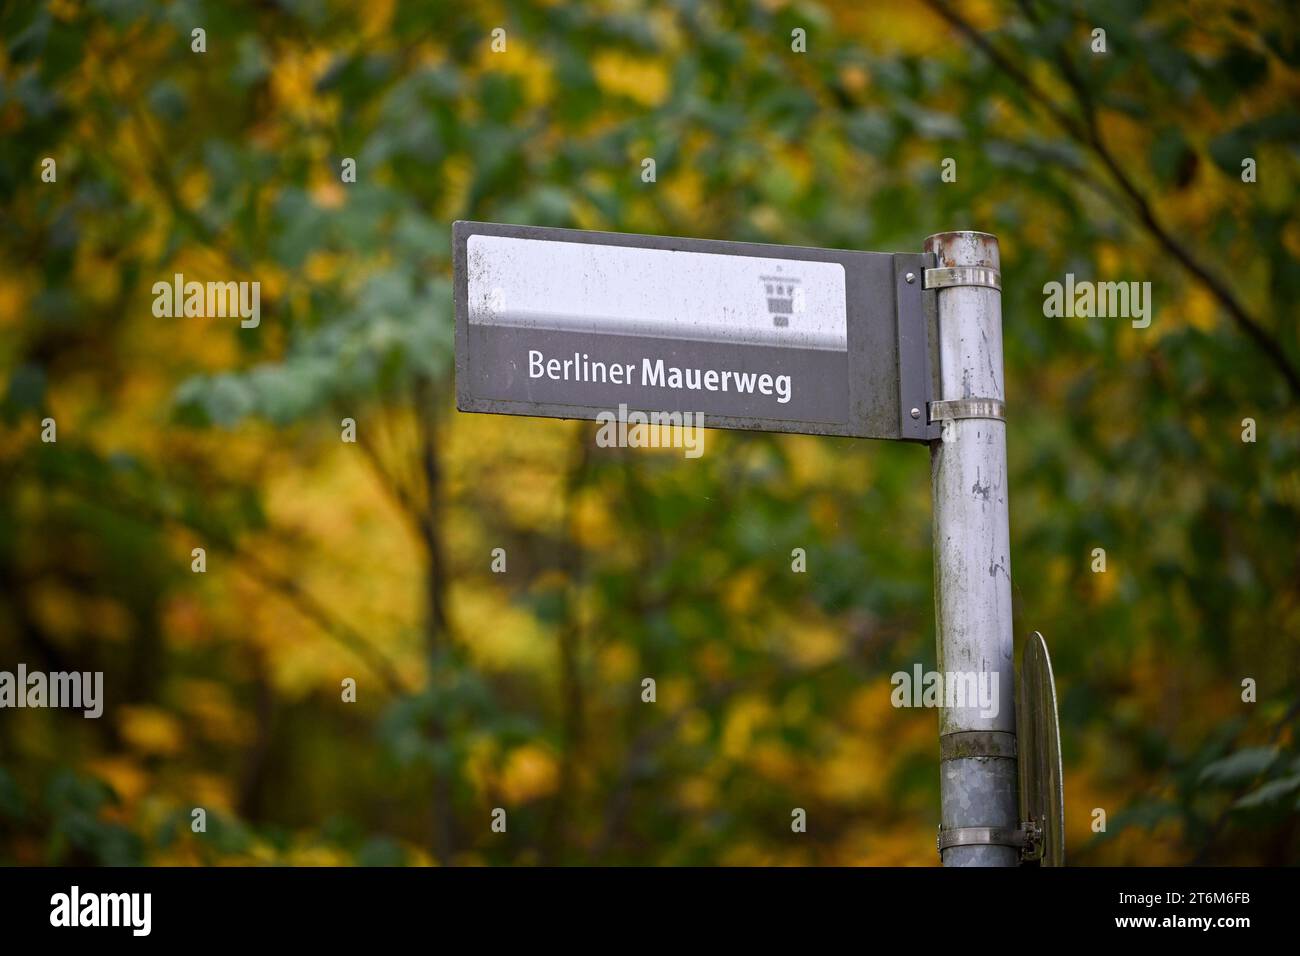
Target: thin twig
[(1088, 133)]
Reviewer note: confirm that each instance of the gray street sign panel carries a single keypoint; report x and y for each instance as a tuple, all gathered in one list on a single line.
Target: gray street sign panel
[(566, 323)]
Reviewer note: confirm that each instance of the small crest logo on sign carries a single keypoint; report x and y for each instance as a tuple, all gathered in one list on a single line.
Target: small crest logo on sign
[(784, 298)]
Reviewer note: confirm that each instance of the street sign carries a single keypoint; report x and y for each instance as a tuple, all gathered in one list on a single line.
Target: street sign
[(1042, 795), (571, 324), (565, 323)]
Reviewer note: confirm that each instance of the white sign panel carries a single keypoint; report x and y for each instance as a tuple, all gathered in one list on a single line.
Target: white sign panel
[(701, 296)]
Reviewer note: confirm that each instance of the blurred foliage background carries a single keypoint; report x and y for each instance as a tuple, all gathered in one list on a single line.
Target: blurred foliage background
[(522, 690)]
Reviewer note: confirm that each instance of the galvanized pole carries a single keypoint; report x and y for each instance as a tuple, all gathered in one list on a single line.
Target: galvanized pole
[(972, 555)]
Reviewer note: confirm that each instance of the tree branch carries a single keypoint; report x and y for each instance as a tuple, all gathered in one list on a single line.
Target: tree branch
[(286, 587), (1088, 133)]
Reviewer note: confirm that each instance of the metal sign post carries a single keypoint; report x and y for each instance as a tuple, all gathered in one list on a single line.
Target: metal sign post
[(972, 553), (564, 323)]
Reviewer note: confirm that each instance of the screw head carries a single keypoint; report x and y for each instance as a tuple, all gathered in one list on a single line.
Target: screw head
[(910, 277), (916, 413)]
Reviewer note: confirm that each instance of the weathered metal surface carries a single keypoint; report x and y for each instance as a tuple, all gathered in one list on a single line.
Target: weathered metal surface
[(1042, 794), (977, 743), (972, 550), (834, 325)]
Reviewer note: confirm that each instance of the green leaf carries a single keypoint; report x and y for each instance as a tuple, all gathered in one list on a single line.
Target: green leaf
[(1240, 766), (1269, 793)]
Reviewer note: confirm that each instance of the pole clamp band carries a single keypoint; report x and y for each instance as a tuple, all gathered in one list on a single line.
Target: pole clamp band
[(991, 408), (1027, 838), (977, 743), (946, 277), (980, 836)]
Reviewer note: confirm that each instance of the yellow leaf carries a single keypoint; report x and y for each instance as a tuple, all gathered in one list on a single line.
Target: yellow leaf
[(530, 772), (151, 730), (640, 79)]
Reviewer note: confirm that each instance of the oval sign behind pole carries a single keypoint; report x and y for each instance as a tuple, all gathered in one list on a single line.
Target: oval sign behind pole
[(1042, 795)]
